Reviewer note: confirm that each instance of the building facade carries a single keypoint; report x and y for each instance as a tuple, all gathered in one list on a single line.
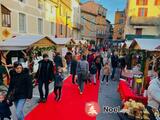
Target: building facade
[(142, 19), (76, 19), (27, 17), (64, 19), (95, 15), (119, 24)]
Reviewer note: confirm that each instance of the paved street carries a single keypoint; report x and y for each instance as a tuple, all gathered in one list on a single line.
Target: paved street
[(108, 96)]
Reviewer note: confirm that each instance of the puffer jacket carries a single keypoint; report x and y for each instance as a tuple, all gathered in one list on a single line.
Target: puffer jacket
[(153, 93), (21, 83)]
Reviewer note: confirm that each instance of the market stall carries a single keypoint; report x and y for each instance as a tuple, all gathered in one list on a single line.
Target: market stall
[(144, 59), (63, 45), (22, 47)]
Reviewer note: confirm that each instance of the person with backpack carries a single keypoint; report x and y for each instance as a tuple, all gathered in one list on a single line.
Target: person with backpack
[(93, 71), (82, 73)]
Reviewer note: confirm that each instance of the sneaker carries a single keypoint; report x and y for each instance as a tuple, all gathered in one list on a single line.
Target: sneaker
[(81, 93), (59, 99), (106, 83)]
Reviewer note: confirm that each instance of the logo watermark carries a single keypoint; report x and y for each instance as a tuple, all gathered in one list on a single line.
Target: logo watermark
[(108, 109)]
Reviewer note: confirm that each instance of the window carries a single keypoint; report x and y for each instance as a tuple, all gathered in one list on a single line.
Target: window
[(22, 1), (61, 29), (52, 28), (40, 4), (157, 2), (139, 31), (6, 17), (121, 21), (40, 26), (142, 2), (22, 22), (142, 12)]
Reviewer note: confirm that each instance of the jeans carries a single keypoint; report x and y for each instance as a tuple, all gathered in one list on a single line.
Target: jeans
[(40, 87), (113, 73), (106, 78), (68, 66), (19, 104), (93, 77), (80, 83)]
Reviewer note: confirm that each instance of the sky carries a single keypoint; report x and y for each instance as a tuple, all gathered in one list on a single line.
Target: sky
[(112, 6)]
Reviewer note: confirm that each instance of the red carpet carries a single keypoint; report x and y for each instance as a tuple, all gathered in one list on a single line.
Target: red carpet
[(71, 106)]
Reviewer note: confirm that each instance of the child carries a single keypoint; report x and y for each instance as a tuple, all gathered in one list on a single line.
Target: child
[(93, 71), (58, 83), (106, 72), (4, 106)]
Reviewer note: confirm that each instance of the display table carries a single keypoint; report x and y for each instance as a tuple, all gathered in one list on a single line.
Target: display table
[(127, 93)]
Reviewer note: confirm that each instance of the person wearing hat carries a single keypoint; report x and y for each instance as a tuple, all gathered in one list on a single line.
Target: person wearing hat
[(44, 75)]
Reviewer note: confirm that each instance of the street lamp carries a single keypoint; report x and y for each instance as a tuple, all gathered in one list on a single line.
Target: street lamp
[(67, 17)]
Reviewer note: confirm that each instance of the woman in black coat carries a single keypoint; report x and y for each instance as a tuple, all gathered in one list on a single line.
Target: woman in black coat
[(20, 88), (73, 68)]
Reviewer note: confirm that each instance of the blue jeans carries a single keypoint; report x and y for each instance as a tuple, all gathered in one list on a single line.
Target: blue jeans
[(19, 104), (113, 72)]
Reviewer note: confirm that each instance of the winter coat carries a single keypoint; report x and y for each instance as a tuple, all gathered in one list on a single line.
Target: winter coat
[(59, 77), (21, 83), (106, 70), (93, 69), (73, 67), (90, 59), (99, 62), (5, 111), (153, 93), (45, 71), (58, 61), (114, 61), (68, 57)]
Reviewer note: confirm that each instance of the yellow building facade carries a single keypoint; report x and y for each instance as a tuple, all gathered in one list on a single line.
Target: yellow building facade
[(142, 19), (63, 19)]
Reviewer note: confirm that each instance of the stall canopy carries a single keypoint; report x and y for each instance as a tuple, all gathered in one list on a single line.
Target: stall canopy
[(23, 42), (62, 41), (146, 44)]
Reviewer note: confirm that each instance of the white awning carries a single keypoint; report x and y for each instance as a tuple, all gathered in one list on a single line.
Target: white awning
[(20, 42), (148, 44), (61, 41)]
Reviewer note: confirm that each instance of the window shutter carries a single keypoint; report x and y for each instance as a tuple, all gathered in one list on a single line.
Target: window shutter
[(137, 2), (146, 12), (139, 11)]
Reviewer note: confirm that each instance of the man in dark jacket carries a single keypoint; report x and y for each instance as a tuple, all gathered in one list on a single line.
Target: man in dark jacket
[(44, 75), (114, 63), (58, 60), (73, 68)]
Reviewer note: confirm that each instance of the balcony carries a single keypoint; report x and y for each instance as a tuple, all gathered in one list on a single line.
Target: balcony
[(100, 35), (144, 21)]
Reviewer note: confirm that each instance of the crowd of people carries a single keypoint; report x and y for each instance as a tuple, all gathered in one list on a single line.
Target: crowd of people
[(93, 67)]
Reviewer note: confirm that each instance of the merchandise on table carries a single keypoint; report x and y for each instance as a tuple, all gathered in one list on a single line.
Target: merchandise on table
[(135, 110)]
